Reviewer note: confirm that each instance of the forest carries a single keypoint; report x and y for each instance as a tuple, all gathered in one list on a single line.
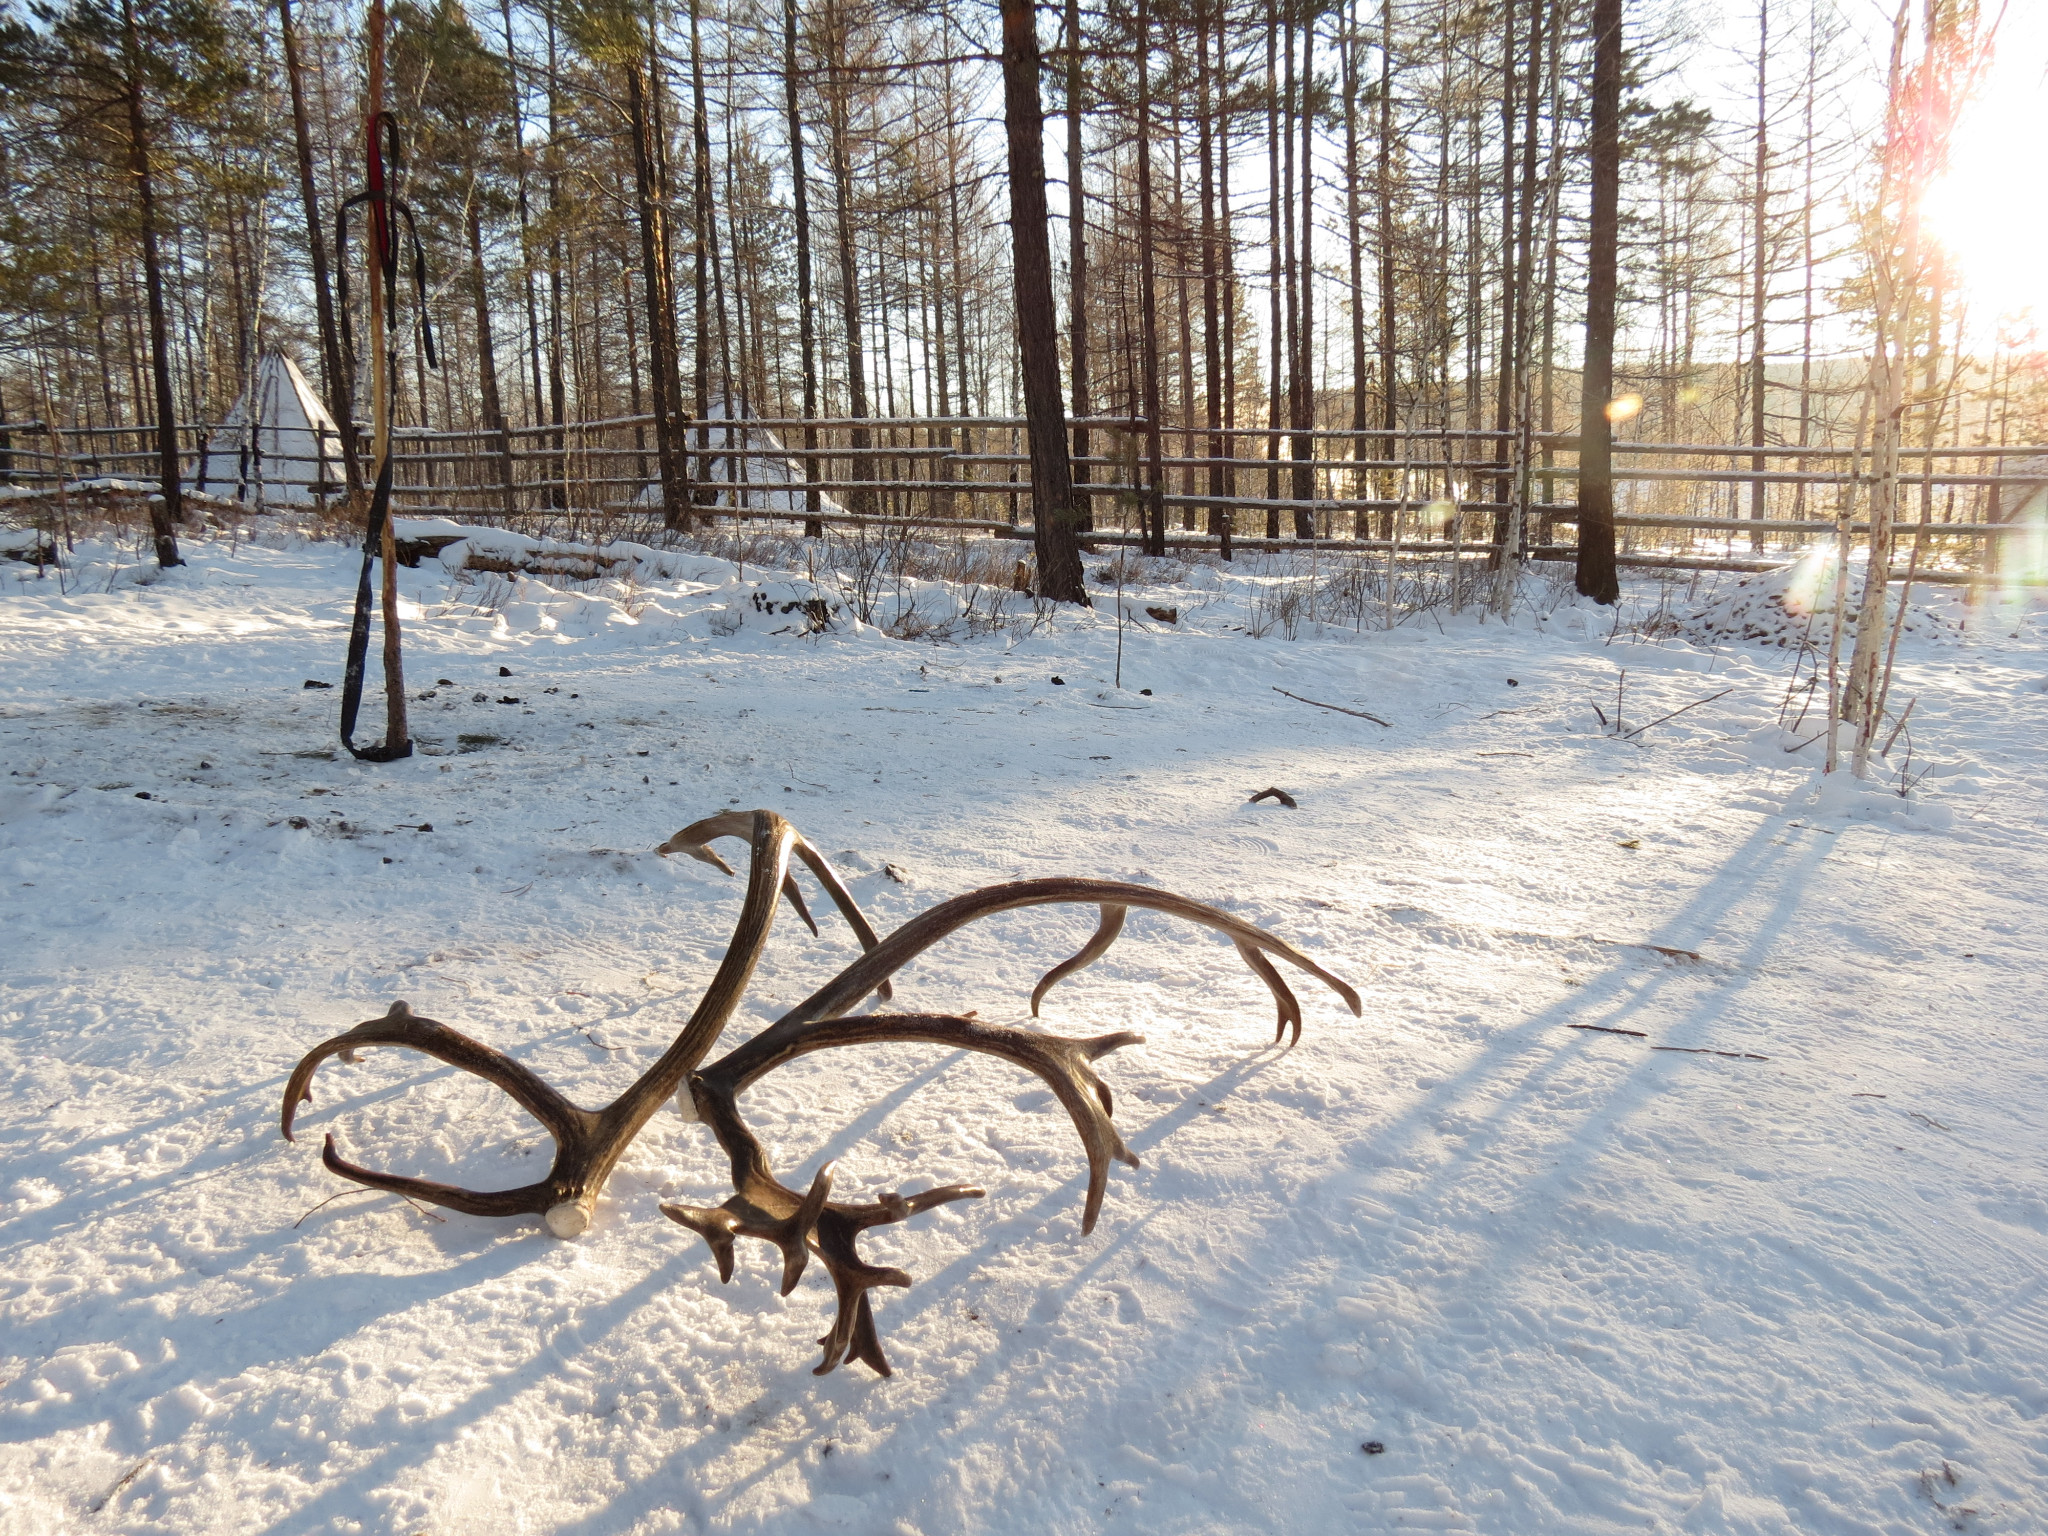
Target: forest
[(1275, 232)]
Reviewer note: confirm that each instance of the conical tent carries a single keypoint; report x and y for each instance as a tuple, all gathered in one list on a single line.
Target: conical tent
[(278, 444), (754, 457)]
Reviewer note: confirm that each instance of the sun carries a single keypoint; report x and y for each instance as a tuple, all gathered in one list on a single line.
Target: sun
[(1994, 233)]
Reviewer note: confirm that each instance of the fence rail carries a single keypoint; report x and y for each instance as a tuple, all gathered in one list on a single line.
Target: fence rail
[(1461, 492)]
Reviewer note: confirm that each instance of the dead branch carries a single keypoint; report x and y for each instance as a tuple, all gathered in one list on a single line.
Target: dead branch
[(1695, 704), (1339, 708)]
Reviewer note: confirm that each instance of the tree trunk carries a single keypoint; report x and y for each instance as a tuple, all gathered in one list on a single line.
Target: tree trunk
[(1276, 238), (1229, 297), (1077, 265), (1304, 492), (661, 335), (1212, 339), (333, 375), (1052, 490), (1596, 575), (1390, 417), (558, 405), (806, 322), (704, 253), (1154, 508), (1504, 358), (487, 358), (1361, 415), (862, 498), (1759, 275), (167, 510)]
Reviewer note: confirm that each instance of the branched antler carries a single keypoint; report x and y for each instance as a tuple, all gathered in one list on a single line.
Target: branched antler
[(589, 1143)]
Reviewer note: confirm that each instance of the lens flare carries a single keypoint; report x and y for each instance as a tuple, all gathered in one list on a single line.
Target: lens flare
[(1997, 243), (1624, 408)]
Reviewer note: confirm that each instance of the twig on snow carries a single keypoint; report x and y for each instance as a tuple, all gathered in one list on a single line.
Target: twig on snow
[(1685, 1050), (1339, 708), (1893, 739), (1695, 704), (115, 1492), (408, 1199)]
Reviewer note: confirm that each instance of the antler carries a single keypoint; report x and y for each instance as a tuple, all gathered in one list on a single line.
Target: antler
[(589, 1143)]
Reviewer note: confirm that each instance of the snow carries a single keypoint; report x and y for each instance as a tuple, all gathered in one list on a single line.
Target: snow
[(1569, 1280), (1794, 605)]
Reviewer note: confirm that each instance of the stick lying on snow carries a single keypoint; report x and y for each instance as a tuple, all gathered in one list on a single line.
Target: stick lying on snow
[(1688, 1050), (1375, 719), (1695, 704)]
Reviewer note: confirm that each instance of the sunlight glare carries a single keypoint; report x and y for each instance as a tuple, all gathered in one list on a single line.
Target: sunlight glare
[(1987, 210)]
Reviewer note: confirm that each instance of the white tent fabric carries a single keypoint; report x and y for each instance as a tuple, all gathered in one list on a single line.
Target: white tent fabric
[(278, 444), (753, 456)]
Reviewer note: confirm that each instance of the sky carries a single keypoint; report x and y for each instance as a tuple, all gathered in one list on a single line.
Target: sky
[(1990, 210)]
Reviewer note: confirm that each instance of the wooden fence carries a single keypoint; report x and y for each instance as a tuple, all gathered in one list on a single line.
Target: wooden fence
[(1423, 492)]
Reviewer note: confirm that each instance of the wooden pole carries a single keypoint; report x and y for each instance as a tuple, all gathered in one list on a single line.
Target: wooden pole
[(383, 262)]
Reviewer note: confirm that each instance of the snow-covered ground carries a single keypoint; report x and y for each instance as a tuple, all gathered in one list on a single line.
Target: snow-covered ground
[(1775, 1262)]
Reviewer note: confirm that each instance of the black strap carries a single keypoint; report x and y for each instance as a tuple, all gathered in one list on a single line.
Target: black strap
[(383, 177), (359, 630)]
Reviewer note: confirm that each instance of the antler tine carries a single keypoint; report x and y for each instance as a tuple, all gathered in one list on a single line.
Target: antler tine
[(1283, 995), (400, 1026), (853, 1334), (1063, 1065), (847, 989), (570, 1126), (528, 1199), (695, 840), (765, 1208), (842, 898), (1111, 925)]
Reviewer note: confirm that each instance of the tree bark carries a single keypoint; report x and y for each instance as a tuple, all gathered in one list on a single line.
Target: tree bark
[(1390, 411), (661, 336), (558, 476), (1276, 238), (1154, 507), (1077, 264), (167, 509), (1596, 574), (1304, 491), (333, 375), (807, 333), (839, 152), (1361, 415), (487, 357), (1052, 490), (1759, 275), (1212, 339)]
